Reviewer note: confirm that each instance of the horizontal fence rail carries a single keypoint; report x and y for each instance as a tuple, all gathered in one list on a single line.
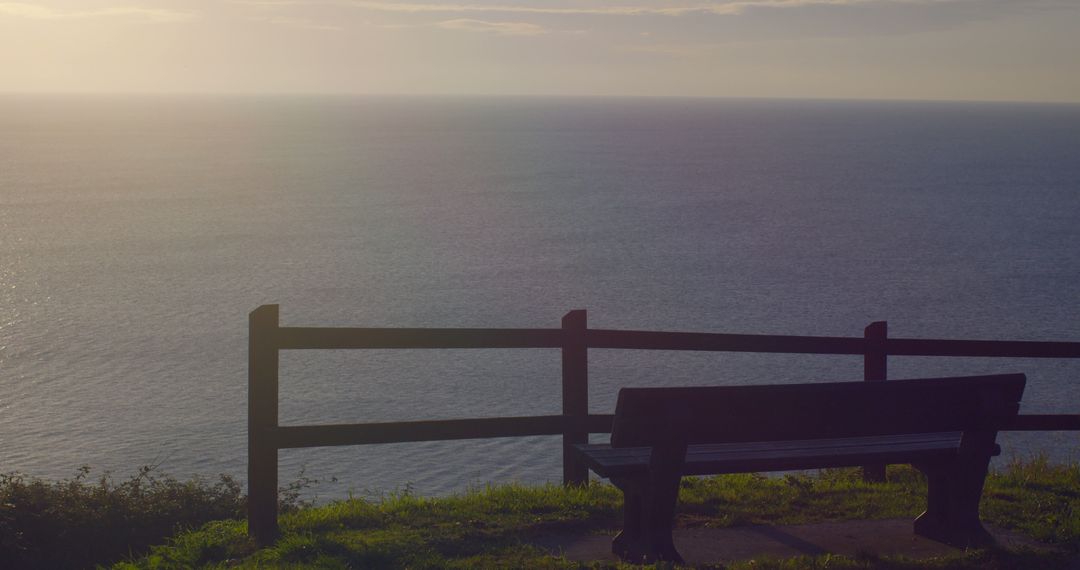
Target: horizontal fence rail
[(1044, 422), (646, 340), (983, 348), (575, 423), (436, 430), (327, 338)]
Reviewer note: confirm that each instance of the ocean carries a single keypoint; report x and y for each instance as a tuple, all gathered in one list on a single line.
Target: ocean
[(137, 233)]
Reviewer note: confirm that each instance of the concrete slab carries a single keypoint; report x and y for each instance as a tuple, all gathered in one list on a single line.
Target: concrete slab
[(851, 538)]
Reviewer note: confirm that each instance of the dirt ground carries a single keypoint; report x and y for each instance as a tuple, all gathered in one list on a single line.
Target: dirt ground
[(715, 545)]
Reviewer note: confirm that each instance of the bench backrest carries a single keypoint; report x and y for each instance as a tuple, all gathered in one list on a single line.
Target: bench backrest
[(724, 414)]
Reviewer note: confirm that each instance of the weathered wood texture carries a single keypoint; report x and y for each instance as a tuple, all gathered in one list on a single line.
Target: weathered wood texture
[(944, 426), (654, 340), (726, 414), (662, 340), (1044, 422), (743, 457), (574, 338), (575, 394), (438, 430), (875, 369), (299, 338), (262, 420)]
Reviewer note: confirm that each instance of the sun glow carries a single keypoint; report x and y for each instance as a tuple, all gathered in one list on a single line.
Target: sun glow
[(895, 49)]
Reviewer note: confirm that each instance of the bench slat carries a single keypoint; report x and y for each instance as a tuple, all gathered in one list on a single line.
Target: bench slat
[(945, 427), (803, 443), (782, 412), (777, 456)]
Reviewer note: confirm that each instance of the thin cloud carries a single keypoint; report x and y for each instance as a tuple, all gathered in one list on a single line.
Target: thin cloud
[(497, 28), (36, 12), (301, 23), (731, 7), (485, 26), (448, 8), (671, 50)]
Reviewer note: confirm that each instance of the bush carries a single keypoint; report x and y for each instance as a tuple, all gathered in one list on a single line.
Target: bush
[(80, 522)]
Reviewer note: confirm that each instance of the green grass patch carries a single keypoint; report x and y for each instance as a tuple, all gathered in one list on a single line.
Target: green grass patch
[(496, 526)]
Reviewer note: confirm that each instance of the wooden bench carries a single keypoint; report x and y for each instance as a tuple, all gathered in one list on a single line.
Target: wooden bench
[(945, 427)]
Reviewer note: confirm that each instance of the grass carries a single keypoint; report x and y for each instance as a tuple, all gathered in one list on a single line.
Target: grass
[(496, 527)]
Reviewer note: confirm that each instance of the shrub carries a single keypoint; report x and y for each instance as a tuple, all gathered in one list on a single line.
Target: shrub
[(79, 522)]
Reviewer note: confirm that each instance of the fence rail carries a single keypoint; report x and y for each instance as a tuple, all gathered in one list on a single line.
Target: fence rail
[(436, 430), (324, 338), (267, 338)]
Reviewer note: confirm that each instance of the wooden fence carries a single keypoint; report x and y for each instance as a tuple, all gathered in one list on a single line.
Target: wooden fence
[(575, 423)]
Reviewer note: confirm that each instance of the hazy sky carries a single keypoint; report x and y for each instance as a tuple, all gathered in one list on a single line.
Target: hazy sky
[(895, 49)]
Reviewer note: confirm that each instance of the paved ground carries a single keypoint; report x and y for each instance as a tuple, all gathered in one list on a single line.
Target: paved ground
[(713, 545)]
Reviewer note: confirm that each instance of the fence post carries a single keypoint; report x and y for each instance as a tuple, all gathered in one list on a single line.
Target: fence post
[(575, 394), (262, 419), (875, 362)]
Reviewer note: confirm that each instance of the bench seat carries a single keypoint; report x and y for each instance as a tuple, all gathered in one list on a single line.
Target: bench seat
[(945, 427), (717, 458)]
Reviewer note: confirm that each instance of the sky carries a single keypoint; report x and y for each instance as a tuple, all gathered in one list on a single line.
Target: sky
[(1015, 50)]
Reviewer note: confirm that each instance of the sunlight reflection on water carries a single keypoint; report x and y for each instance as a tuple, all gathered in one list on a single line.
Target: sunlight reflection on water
[(138, 234)]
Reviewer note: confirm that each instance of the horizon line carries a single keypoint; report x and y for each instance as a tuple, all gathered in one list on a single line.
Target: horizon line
[(376, 95)]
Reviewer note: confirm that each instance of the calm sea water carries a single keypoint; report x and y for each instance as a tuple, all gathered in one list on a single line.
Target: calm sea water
[(137, 233)]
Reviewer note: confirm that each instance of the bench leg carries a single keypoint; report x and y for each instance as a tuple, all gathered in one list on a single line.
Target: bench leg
[(628, 544), (952, 503), (648, 518), (660, 517)]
